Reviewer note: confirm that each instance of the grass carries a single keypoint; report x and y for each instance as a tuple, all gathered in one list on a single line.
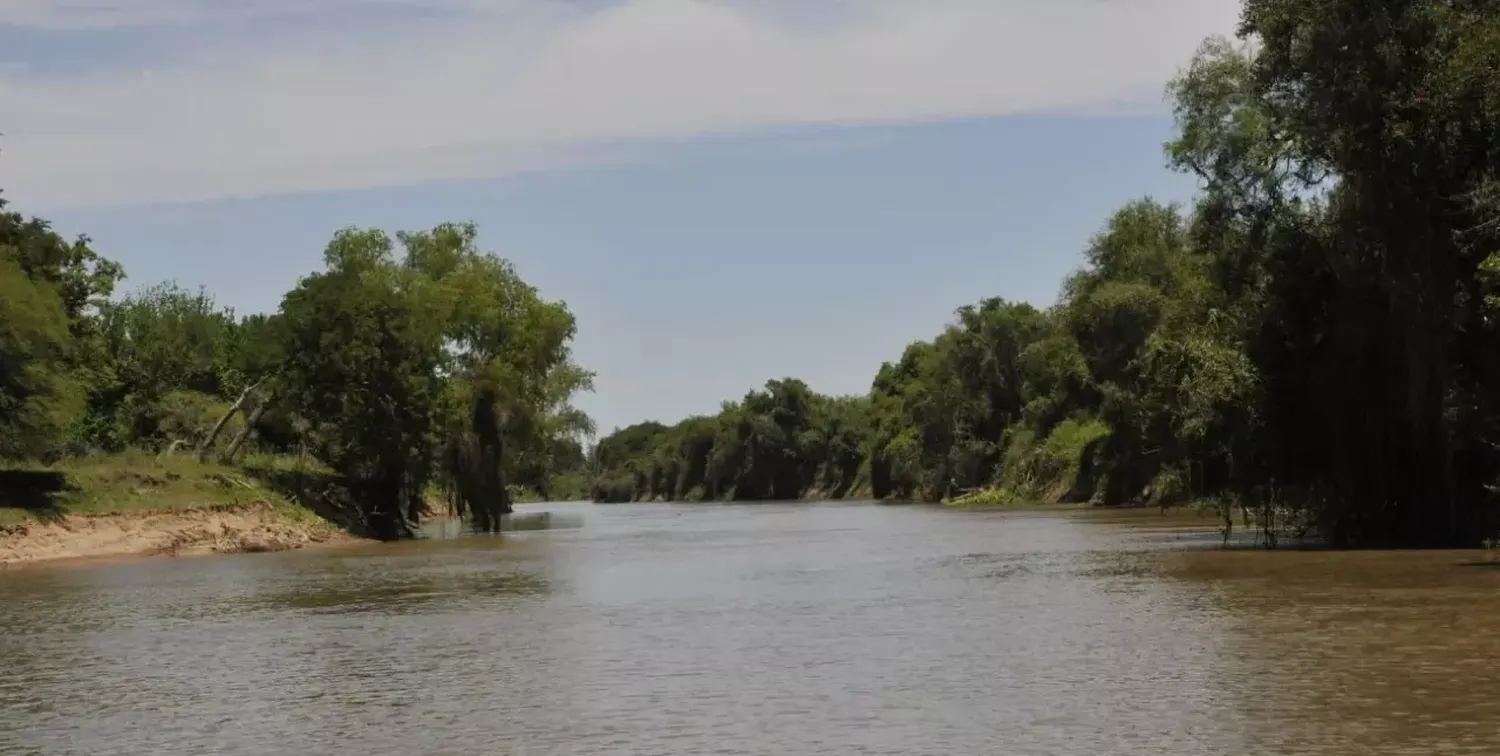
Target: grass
[(141, 482), (1001, 497)]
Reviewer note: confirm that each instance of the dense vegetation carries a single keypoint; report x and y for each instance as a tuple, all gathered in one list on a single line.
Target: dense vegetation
[(1314, 339), (404, 376)]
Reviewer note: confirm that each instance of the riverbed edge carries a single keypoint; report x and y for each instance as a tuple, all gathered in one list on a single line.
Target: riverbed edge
[(230, 528)]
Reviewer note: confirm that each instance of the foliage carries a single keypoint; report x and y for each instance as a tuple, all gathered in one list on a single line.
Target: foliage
[(37, 399), (429, 368), (49, 289), (1313, 339), (780, 442), (1061, 466), (394, 372)]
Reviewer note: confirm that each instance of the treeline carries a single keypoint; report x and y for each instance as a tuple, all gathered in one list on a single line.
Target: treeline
[(1314, 339), (784, 442), (408, 367)]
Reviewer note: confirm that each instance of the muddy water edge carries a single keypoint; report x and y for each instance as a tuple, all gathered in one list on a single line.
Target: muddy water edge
[(776, 628)]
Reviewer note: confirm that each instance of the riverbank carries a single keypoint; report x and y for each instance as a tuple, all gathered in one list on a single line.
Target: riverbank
[(1185, 520), (222, 529), (136, 504), (995, 498)]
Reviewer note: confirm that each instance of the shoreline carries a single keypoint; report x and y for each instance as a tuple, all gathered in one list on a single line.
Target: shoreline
[(259, 526), (237, 528)]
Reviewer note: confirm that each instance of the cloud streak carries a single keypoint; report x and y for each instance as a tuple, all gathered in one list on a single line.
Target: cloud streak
[(470, 89)]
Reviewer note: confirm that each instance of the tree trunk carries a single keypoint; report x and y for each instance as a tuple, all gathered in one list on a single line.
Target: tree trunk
[(239, 441), (213, 435)]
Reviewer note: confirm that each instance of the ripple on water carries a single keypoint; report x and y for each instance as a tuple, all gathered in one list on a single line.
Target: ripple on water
[(785, 629)]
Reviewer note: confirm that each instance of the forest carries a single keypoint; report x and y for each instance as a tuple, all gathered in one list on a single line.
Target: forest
[(410, 369), (1313, 339)]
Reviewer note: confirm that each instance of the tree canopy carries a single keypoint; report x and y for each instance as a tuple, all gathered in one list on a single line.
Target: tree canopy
[(410, 367), (1313, 338)]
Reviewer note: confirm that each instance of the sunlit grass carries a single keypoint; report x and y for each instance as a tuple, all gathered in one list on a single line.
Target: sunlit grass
[(1003, 498), (135, 481)]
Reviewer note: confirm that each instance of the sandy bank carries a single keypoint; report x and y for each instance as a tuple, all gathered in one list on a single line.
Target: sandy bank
[(227, 529)]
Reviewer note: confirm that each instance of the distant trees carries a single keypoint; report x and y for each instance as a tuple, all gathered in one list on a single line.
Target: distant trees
[(1314, 339), (777, 443)]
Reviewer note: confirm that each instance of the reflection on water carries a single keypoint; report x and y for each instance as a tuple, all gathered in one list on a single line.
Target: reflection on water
[(785, 629), (400, 596), (452, 527), (1370, 652)]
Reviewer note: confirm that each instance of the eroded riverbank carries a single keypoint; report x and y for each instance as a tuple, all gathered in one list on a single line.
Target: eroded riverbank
[(133, 504), (226, 529)]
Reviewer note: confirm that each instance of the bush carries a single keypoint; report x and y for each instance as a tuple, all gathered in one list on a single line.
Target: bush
[(1060, 467), (615, 490), (190, 415)]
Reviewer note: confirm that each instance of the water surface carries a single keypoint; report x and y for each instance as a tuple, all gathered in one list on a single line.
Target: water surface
[(760, 629)]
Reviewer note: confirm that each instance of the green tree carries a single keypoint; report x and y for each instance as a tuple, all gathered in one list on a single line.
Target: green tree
[(440, 366), (49, 292), (361, 366), (38, 402), (168, 367)]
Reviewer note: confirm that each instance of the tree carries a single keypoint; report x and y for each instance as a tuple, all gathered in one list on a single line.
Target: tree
[(442, 366), (165, 348), (38, 402), (361, 366), (49, 290)]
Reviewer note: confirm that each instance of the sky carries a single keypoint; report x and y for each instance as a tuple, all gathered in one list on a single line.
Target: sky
[(723, 191)]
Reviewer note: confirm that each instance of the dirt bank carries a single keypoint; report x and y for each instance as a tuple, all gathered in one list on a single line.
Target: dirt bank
[(226, 529)]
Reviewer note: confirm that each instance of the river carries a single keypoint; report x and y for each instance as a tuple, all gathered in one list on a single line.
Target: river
[(774, 629)]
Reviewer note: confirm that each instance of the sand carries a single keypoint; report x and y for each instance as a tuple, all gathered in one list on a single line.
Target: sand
[(240, 528)]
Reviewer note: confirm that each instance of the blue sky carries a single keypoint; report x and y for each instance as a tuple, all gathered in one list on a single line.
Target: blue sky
[(722, 191)]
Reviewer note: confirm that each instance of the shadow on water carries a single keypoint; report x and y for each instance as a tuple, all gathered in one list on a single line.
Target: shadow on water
[(1191, 528), (427, 579), (519, 522), (1491, 561), (1389, 648)]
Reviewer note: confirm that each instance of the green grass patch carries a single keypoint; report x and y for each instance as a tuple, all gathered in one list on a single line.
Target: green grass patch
[(999, 497), (136, 481), (1056, 468)]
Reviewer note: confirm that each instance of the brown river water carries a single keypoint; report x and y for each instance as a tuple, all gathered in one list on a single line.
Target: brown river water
[(771, 629)]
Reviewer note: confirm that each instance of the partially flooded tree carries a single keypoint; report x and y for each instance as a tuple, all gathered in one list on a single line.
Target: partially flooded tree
[(473, 465), (508, 363), (361, 366), (439, 367)]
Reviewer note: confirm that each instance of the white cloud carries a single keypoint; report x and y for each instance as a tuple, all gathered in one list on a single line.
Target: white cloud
[(107, 14), (500, 86)]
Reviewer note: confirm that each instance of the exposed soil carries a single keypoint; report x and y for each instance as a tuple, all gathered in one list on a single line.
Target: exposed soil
[(238, 528)]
